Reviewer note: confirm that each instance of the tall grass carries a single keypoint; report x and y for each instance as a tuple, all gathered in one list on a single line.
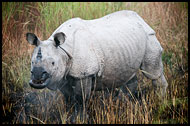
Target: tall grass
[(22, 104)]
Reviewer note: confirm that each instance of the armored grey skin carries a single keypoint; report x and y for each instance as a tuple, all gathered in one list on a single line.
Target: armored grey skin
[(109, 51)]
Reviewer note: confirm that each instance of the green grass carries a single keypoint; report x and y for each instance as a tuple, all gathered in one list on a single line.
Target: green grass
[(169, 20)]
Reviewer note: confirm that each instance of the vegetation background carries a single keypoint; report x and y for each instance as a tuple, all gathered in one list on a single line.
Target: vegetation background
[(22, 104)]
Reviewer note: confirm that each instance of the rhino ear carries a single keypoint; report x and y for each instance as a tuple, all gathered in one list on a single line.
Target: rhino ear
[(59, 38), (32, 39)]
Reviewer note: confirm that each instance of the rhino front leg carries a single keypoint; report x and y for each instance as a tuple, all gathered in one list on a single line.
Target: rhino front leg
[(82, 91)]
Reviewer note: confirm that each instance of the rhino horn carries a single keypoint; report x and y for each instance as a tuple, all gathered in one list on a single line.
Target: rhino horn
[(39, 55)]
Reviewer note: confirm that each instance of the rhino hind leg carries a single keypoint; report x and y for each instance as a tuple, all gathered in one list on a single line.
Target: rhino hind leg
[(161, 83), (128, 89), (152, 66)]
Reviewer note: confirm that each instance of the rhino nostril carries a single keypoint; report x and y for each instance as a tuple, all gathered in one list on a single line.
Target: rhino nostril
[(44, 72), (53, 63), (45, 75)]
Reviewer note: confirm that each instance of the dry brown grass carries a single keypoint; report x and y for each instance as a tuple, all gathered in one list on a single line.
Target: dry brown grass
[(169, 20)]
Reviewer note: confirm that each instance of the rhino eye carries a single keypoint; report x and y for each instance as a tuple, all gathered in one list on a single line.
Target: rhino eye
[(53, 63)]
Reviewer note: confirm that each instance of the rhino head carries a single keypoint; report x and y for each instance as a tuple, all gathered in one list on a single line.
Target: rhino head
[(49, 61)]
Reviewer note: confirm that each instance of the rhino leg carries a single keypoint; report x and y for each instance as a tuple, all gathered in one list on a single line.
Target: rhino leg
[(160, 83), (130, 87), (67, 89), (82, 91), (152, 66)]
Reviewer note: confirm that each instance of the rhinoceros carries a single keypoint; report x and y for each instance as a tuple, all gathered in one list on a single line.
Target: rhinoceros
[(99, 54)]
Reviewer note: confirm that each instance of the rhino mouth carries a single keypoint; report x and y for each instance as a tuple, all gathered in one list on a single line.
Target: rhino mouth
[(40, 84)]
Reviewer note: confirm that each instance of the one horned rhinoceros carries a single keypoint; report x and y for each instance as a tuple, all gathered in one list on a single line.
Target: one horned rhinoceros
[(105, 53)]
